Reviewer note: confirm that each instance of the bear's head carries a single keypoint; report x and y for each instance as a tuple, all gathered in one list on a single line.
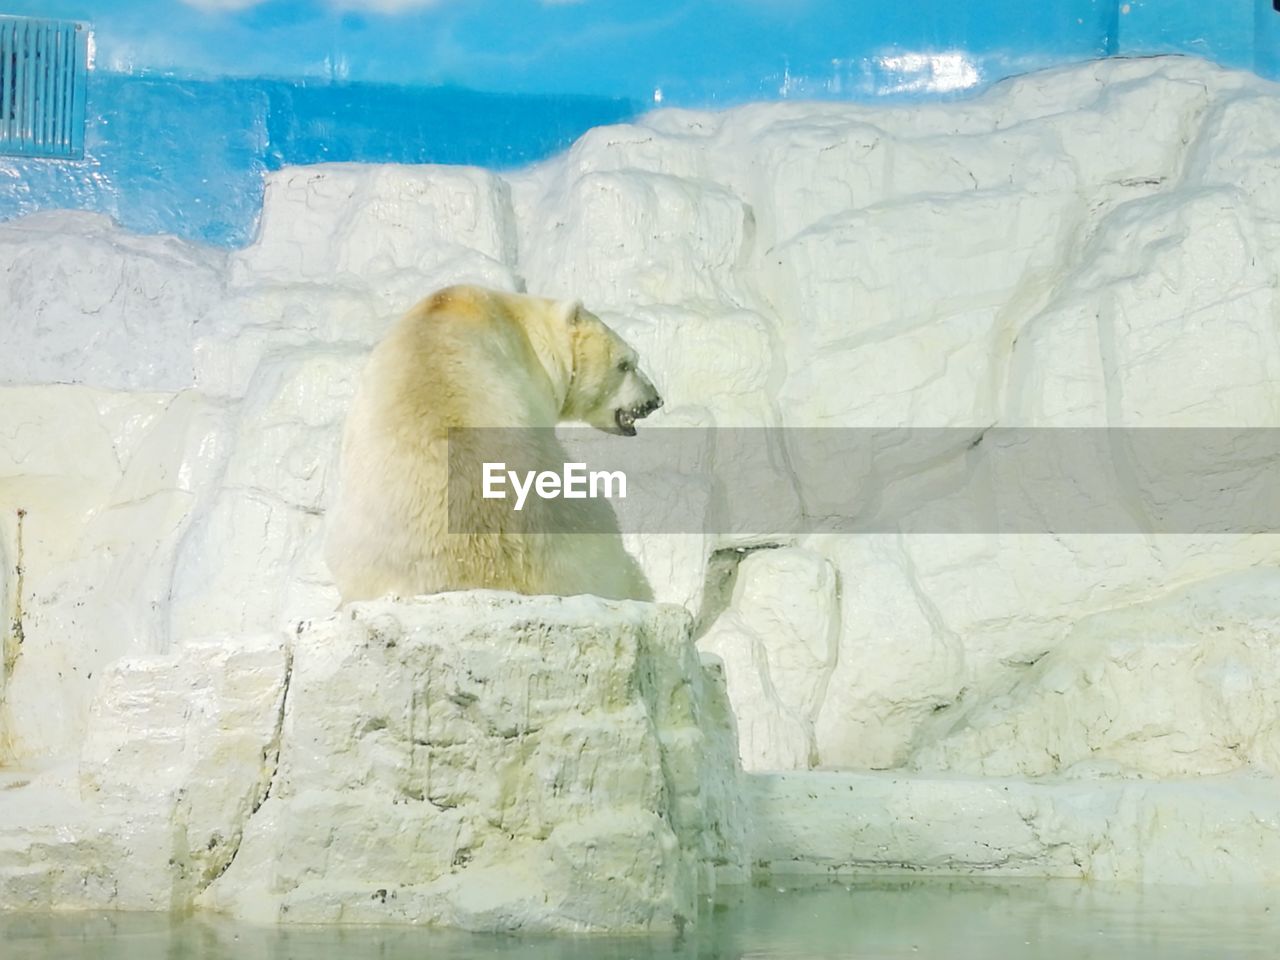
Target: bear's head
[(607, 389)]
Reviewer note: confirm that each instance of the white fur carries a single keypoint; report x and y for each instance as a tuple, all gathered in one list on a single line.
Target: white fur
[(469, 357)]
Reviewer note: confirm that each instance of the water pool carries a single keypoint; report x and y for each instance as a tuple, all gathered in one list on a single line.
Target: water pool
[(863, 918)]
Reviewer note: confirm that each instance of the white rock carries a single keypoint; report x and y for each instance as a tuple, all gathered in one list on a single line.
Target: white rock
[(185, 747), (1234, 152), (85, 302), (1091, 246), (897, 662), (257, 324), (1215, 830), (615, 240), (1184, 686), (109, 485), (348, 223), (495, 763), (181, 750), (254, 560), (479, 760), (778, 642), (1171, 290)]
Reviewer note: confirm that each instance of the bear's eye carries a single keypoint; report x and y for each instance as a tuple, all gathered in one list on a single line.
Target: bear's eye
[(626, 366)]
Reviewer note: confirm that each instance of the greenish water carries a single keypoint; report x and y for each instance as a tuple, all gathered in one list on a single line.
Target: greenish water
[(881, 918)]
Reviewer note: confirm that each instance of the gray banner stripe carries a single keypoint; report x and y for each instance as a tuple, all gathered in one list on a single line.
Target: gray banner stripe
[(789, 481)]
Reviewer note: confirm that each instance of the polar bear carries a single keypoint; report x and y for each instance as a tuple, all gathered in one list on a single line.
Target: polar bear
[(471, 357)]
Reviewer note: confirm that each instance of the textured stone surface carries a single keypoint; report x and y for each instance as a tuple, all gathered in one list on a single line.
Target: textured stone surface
[(181, 750), (1091, 246), (479, 760), (1204, 831), (492, 762), (1180, 687), (350, 224), (778, 643), (85, 302), (108, 485)]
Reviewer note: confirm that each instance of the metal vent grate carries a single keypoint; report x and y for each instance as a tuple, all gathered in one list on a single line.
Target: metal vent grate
[(42, 78)]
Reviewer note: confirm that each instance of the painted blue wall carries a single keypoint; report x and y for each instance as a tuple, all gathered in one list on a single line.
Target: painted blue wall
[(695, 51), (164, 155), (192, 100)]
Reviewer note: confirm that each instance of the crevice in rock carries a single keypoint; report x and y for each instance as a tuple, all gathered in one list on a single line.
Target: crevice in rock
[(718, 584), (270, 754), (834, 629), (16, 634), (277, 737)]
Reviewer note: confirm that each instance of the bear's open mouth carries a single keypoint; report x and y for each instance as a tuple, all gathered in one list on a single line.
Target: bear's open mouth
[(626, 421), (626, 417)]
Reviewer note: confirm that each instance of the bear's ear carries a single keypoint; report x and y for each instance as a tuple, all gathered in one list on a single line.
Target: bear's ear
[(573, 312)]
